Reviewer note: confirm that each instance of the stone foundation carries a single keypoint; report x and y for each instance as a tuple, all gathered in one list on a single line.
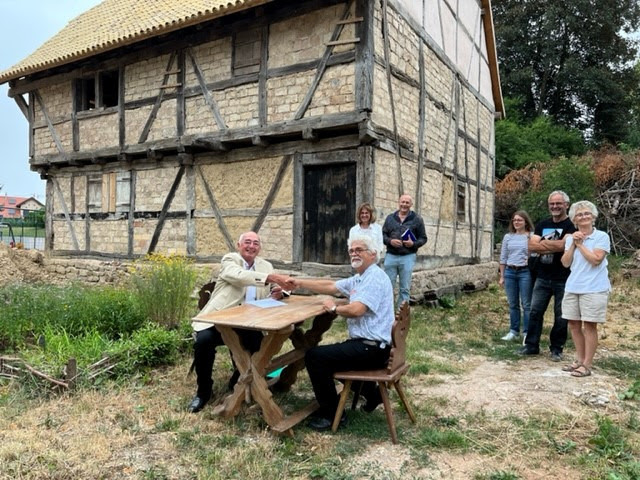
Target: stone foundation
[(427, 285)]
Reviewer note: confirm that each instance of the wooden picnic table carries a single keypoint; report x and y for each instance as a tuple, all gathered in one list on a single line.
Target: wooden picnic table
[(278, 324)]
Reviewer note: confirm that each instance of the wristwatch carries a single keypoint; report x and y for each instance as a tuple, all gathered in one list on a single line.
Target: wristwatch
[(334, 309)]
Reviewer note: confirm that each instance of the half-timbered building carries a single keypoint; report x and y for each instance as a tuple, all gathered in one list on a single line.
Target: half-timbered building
[(175, 125)]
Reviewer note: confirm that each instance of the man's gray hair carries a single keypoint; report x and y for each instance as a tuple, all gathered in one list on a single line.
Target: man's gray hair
[(583, 205), (241, 238), (368, 242), (565, 197)]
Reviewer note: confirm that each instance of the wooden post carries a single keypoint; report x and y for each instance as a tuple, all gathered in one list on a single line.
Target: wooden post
[(132, 210), (71, 373), (180, 100), (122, 134), (364, 56)]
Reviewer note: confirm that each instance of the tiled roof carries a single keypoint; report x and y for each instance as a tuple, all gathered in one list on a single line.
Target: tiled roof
[(114, 23), (11, 200)]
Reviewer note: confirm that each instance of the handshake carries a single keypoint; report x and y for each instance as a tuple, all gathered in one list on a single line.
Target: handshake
[(282, 285)]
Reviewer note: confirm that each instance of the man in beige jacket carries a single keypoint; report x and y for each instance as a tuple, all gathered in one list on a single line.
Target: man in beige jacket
[(243, 277)]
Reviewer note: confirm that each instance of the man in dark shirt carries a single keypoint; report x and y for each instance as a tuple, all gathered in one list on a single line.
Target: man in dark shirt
[(547, 247), (403, 233)]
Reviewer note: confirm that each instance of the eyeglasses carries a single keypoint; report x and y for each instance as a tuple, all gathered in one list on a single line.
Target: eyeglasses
[(357, 251), (556, 204), (247, 243), (583, 214)]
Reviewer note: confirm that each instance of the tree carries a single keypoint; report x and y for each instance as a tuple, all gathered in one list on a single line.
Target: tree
[(574, 176), (571, 60), (520, 142)]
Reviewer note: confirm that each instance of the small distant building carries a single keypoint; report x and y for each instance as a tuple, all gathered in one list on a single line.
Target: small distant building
[(17, 207), (30, 204)]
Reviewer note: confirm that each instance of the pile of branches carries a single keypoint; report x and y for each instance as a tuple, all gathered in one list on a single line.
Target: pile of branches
[(620, 211), (17, 369)]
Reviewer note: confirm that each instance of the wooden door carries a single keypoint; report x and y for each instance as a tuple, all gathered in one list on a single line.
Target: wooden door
[(329, 206)]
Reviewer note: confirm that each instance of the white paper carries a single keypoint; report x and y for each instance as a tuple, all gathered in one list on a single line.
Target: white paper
[(266, 303)]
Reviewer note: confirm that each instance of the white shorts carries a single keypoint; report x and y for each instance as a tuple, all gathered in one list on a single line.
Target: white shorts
[(588, 307)]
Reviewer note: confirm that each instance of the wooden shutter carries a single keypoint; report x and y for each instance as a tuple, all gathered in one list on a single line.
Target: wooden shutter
[(94, 197), (123, 191), (246, 51)]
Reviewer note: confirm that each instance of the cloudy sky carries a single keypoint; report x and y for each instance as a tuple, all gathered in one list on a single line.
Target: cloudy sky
[(24, 26)]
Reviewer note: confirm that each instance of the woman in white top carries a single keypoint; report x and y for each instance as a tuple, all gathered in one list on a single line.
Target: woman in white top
[(586, 292), (515, 276), (367, 226)]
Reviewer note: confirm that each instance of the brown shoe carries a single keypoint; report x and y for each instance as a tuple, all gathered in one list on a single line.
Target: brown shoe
[(580, 372)]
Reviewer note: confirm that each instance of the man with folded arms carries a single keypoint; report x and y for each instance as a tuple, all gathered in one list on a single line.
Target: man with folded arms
[(243, 277), (369, 316), (547, 243)]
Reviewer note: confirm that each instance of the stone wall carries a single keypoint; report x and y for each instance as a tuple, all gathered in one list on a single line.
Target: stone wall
[(98, 132), (303, 38), (426, 286), (143, 79), (214, 60), (243, 187), (429, 285)]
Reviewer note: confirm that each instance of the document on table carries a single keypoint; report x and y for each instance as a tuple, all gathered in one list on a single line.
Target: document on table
[(266, 303)]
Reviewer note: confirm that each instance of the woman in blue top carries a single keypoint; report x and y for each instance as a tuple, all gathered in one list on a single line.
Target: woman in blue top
[(515, 276), (587, 289)]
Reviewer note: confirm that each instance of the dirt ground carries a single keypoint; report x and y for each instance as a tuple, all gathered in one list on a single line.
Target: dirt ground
[(72, 430), (18, 265)]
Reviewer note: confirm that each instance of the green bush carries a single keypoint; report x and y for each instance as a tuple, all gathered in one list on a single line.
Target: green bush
[(163, 286), (520, 142), (33, 311), (573, 176), (151, 346)]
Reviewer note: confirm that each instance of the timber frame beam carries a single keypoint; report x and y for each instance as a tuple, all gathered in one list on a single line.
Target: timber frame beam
[(273, 134)]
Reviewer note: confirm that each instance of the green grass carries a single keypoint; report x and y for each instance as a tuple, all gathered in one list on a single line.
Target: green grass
[(623, 366), (439, 345), (23, 232)]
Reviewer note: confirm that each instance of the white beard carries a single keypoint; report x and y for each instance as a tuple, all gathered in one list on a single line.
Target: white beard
[(356, 263)]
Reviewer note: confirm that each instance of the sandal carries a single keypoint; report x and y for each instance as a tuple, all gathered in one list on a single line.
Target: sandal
[(581, 373), (570, 368)]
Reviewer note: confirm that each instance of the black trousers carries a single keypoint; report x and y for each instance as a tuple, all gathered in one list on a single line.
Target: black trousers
[(543, 290), (204, 354), (324, 360)]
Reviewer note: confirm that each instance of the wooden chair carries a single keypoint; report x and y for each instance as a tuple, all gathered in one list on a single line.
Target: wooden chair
[(205, 293), (384, 377)]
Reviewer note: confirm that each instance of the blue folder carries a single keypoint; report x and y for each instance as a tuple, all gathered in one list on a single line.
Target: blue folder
[(408, 235)]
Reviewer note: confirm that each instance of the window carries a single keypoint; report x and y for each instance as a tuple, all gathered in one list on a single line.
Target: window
[(85, 94), (12, 201), (109, 83), (12, 211), (97, 91), (109, 192), (462, 194), (247, 48)]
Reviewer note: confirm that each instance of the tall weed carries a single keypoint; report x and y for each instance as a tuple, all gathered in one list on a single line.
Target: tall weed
[(30, 312), (163, 285)]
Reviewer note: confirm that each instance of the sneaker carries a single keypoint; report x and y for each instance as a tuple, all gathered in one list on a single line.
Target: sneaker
[(510, 336), (556, 356)]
